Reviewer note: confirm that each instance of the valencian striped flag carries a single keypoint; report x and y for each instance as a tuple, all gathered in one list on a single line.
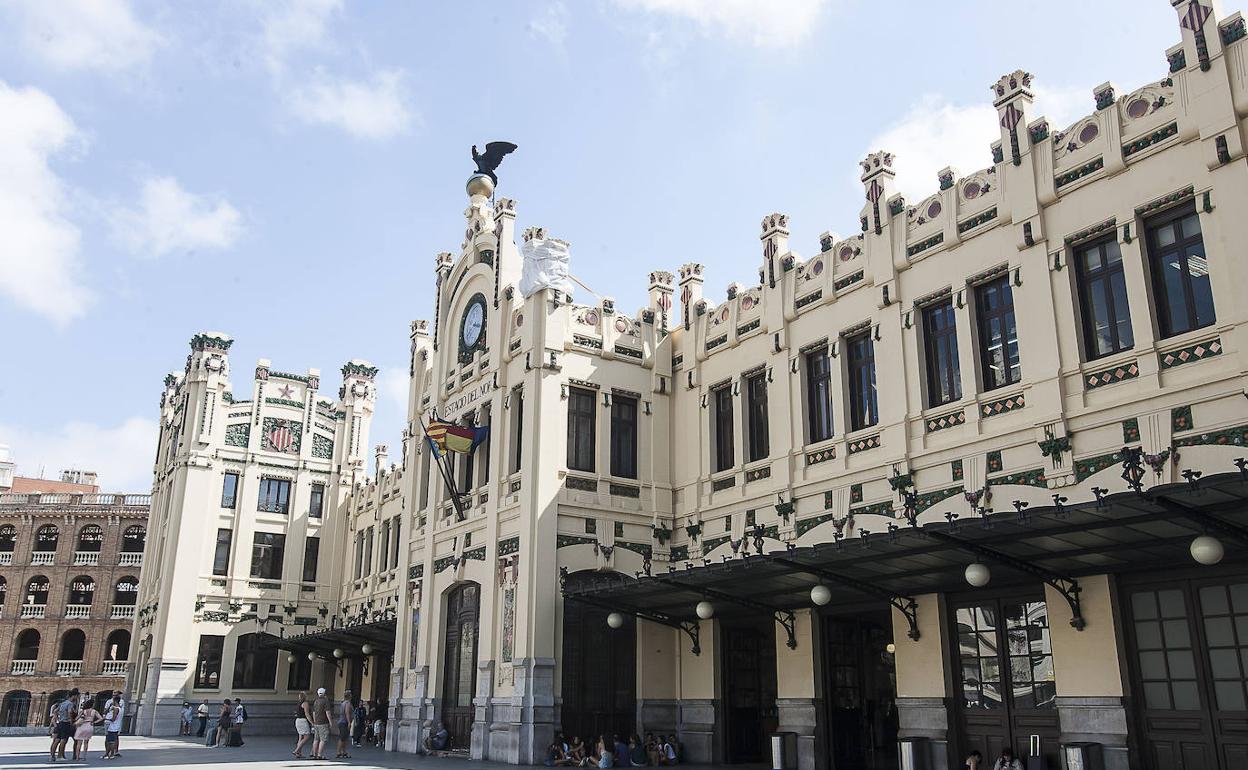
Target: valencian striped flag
[(447, 437)]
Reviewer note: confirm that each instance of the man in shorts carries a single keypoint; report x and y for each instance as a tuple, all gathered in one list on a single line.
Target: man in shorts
[(320, 724), (346, 713), (63, 731), (112, 726)]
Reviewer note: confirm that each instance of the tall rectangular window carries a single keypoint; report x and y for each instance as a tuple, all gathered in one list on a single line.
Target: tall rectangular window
[(221, 555), (1103, 305), (267, 552), (758, 445), (860, 362), (721, 416), (311, 552), (383, 552), (426, 468), (359, 555), (368, 551), (818, 395), (940, 346), (517, 429), (998, 337), (229, 491), (274, 496), (465, 469), (624, 436), (582, 429), (208, 662), (395, 523), (316, 501), (1176, 254)]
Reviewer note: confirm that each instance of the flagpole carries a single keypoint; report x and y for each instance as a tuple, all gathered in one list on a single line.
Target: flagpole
[(447, 480)]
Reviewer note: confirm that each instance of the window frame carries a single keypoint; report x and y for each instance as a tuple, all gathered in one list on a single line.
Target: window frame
[(316, 501), (583, 405), (232, 498), (723, 447), (864, 407), (517, 429), (819, 414), (271, 554), (311, 555), (221, 561), (939, 377), (204, 660), (1104, 275), (274, 495), (253, 663), (984, 317), (1157, 254), (757, 426), (624, 431)]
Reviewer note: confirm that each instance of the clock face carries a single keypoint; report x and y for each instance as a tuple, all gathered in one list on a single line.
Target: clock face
[(474, 322)]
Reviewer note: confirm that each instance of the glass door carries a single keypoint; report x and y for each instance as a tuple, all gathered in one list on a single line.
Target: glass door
[(1005, 674)]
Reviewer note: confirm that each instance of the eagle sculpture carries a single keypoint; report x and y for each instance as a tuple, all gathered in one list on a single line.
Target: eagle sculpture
[(488, 161)]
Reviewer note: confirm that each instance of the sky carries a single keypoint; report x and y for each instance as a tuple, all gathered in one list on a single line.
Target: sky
[(285, 171)]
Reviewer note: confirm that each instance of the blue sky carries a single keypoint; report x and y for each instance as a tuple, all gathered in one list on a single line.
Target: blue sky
[(286, 171)]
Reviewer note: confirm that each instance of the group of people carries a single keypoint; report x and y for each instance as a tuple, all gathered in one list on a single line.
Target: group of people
[(76, 717), (614, 751), (1007, 761), (356, 722), (227, 727)]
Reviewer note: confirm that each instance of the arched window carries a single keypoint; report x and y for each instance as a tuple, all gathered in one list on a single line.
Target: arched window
[(117, 646), (133, 539), (126, 592), (90, 538), (8, 538), (82, 590), (4, 591), (27, 645), (15, 709), (73, 645), (37, 590), (46, 538), (255, 663)]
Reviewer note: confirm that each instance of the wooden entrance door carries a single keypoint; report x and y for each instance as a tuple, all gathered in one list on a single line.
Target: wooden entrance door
[(1005, 670), (459, 678), (1188, 645), (749, 676), (861, 689), (599, 686)]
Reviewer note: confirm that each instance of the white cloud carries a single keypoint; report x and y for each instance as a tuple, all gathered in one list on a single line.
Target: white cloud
[(86, 34), (935, 133), (368, 109), (170, 219), (121, 454), (296, 25), (393, 384), (552, 23), (40, 267), (762, 23)]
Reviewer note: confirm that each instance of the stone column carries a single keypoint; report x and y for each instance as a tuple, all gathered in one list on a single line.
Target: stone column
[(1089, 672), (922, 706), (798, 704), (698, 726)]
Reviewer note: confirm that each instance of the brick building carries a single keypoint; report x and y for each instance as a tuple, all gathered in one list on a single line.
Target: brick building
[(69, 573)]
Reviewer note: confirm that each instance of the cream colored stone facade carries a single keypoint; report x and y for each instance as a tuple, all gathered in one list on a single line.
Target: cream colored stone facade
[(1018, 444)]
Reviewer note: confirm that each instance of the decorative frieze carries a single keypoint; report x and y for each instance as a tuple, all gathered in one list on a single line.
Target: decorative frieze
[(625, 490), (1031, 478), (847, 281), (728, 482), (581, 484), (1237, 436), (950, 420), (509, 545), (1148, 140), (563, 541), (1115, 374), (1079, 173), (1195, 352), (238, 434), (977, 220), (1131, 430), (711, 543), (809, 299), (758, 473), (642, 549), (956, 470), (805, 525), (712, 344), (1002, 405), (863, 444), (1090, 466), (820, 455), (679, 553), (620, 350), (994, 463), (1181, 419), (322, 447)]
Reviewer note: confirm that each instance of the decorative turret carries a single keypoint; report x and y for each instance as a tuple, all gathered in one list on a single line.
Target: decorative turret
[(775, 238), (1012, 97), (661, 296), (359, 397), (205, 384), (690, 291), (877, 179)]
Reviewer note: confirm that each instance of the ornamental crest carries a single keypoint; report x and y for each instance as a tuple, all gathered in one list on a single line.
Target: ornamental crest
[(281, 435)]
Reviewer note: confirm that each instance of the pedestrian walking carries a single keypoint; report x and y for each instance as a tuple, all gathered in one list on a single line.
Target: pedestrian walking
[(84, 728), (345, 713), (63, 730), (187, 714), (225, 722), (320, 724), (240, 718), (303, 725), (112, 726)]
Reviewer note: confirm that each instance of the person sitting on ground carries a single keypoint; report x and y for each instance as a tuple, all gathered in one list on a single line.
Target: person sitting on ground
[(555, 755), (575, 749), (438, 740), (669, 754), (619, 751), (652, 748), (604, 752), (973, 760), (637, 752), (1007, 761)]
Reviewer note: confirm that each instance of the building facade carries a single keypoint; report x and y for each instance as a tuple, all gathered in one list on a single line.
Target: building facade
[(973, 476), (245, 545), (70, 565)]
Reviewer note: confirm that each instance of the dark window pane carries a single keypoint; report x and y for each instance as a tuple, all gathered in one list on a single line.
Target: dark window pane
[(819, 395), (229, 490), (1148, 635), (221, 555), (1230, 696), (756, 397), (582, 429), (1171, 604), (624, 436), (998, 337), (1144, 605), (1181, 282), (1186, 696), (208, 661), (941, 347), (1218, 631), (1153, 665), (1182, 664), (1157, 695), (862, 395), (723, 439), (1224, 663)]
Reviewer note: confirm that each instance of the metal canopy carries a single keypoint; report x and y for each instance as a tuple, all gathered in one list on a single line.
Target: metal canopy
[(347, 638), (1121, 532)]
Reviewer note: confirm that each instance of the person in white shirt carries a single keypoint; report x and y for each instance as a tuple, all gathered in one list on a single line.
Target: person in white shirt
[(202, 714), (113, 714)]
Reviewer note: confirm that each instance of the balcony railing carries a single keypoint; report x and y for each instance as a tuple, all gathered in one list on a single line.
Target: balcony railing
[(77, 611), (120, 611), (115, 668), (68, 667), (86, 558), (130, 559), (42, 557), (34, 610), (6, 558), (22, 667)]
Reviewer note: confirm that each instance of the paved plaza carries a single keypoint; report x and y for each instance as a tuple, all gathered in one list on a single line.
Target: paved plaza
[(265, 752)]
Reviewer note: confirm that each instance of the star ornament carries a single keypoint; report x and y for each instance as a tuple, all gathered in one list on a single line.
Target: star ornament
[(286, 391)]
